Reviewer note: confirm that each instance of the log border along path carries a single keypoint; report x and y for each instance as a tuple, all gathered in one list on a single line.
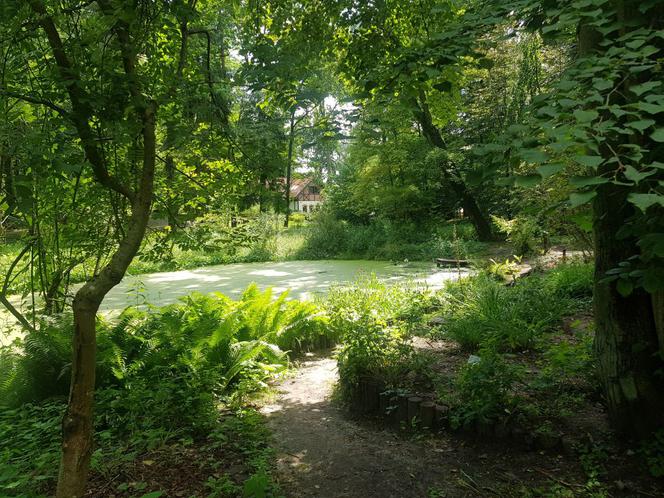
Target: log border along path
[(323, 453)]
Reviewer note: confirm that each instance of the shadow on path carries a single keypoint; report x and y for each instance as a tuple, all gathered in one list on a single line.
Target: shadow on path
[(323, 454)]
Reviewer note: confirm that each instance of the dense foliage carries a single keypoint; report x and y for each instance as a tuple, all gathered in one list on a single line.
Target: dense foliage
[(162, 376), (145, 136)]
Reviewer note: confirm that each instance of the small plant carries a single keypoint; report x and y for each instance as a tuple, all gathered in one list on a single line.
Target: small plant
[(484, 388), (524, 233), (653, 452), (507, 269)]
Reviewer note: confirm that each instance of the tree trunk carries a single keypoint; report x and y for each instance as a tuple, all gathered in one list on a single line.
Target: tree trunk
[(468, 201), (289, 164), (77, 424), (626, 339), (477, 218), (7, 181), (627, 345), (78, 420)]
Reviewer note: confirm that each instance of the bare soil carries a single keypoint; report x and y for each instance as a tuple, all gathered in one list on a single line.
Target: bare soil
[(323, 453)]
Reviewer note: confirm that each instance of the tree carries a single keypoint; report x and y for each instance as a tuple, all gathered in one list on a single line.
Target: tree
[(109, 94), (602, 126)]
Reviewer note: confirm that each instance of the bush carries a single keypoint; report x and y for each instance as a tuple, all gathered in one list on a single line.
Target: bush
[(484, 388), (204, 343), (29, 448), (573, 280), (524, 233), (326, 237), (482, 312), (329, 237), (372, 321), (161, 375)]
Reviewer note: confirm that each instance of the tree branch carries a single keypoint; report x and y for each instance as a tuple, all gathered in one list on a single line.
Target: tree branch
[(35, 100), (81, 111)]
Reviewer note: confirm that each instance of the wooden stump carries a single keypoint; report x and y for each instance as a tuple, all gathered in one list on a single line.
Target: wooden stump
[(414, 407), (427, 414), (441, 414), (402, 407)]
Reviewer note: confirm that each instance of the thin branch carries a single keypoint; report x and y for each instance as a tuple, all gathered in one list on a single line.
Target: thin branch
[(3, 293), (81, 112), (35, 100)]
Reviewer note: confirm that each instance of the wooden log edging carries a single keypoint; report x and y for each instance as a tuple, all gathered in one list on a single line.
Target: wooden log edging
[(403, 409)]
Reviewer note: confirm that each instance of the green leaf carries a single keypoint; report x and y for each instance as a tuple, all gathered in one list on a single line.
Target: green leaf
[(586, 181), (644, 201), (527, 181), (641, 124), (585, 116), (624, 287), (645, 87), (548, 170), (602, 84), (634, 175), (534, 156), (579, 198), (658, 135), (650, 108), (590, 161)]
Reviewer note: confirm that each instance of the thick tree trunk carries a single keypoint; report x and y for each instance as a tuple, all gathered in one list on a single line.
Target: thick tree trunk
[(626, 339)]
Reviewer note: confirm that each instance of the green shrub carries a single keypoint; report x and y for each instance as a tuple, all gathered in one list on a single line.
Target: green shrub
[(29, 448), (161, 375), (209, 343), (480, 311), (484, 389), (573, 279), (372, 321), (524, 233), (326, 237), (653, 452), (566, 363)]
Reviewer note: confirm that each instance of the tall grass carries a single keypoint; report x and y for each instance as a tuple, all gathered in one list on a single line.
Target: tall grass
[(483, 312)]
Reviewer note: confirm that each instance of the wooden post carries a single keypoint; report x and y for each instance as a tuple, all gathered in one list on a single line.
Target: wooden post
[(427, 414), (440, 416), (413, 407), (402, 407)]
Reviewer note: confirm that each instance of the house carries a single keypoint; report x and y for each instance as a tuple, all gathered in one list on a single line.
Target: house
[(305, 195)]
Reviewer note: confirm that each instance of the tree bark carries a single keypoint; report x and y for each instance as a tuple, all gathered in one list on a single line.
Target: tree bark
[(289, 164), (626, 339), (627, 344), (78, 420)]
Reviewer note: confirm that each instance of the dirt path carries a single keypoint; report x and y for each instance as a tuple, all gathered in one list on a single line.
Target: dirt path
[(321, 453)]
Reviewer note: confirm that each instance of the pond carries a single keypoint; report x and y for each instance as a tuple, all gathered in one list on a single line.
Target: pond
[(304, 279)]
